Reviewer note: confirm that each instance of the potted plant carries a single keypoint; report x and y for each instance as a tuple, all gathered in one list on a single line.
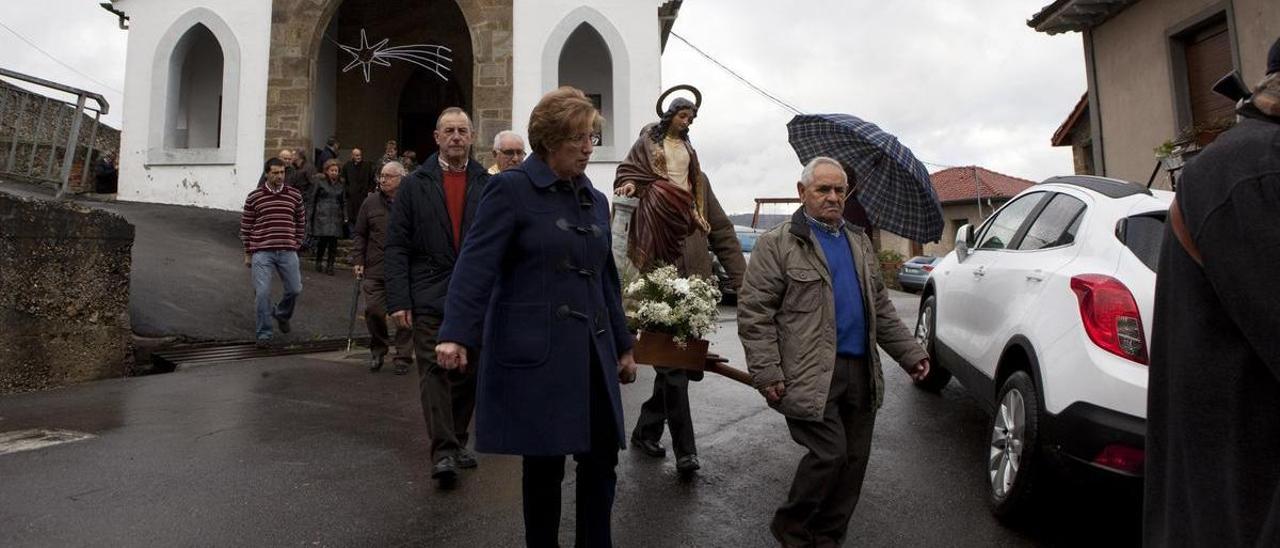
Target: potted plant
[(671, 314), (890, 262)]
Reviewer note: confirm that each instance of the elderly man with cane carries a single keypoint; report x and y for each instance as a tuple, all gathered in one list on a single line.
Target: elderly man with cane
[(366, 258)]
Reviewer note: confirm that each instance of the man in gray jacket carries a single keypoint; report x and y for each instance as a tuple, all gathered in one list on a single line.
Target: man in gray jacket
[(811, 311)]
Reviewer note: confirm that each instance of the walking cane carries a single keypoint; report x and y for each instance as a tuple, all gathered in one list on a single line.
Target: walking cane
[(355, 302)]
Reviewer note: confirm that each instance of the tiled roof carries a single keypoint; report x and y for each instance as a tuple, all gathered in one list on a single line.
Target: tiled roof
[(1076, 15), (958, 184)]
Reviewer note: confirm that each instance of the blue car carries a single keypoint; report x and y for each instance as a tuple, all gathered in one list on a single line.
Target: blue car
[(915, 272)]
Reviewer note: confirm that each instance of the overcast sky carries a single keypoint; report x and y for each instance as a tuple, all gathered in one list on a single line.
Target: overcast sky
[(960, 82)]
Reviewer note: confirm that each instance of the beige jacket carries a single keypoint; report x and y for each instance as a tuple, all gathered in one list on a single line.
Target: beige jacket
[(786, 317)]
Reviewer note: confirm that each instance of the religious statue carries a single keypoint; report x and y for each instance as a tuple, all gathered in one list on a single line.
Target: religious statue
[(662, 171)]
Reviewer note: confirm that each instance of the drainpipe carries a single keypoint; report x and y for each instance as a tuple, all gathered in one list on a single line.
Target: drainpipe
[(1095, 105)]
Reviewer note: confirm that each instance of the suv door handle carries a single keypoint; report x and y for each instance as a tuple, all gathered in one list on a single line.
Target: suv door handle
[(1036, 275), (980, 272)]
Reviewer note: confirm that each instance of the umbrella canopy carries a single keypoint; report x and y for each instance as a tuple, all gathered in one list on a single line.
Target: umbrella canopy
[(890, 183)]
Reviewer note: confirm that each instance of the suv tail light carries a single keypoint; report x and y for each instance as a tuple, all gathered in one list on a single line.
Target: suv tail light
[(1111, 316), (927, 268), (1122, 458)]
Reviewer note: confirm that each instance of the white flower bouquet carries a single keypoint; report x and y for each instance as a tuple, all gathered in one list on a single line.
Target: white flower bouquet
[(672, 314)]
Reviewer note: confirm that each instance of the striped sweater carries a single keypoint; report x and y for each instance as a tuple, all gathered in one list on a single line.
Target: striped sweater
[(272, 221)]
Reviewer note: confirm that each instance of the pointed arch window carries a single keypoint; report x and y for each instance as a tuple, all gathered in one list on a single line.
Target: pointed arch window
[(587, 64), (195, 86)]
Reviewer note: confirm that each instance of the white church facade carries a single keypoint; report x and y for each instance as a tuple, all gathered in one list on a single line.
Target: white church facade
[(213, 87)]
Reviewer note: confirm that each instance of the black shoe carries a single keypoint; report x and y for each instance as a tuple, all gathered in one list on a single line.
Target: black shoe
[(402, 368), (445, 471), (375, 364), (466, 459), (283, 324), (319, 268), (262, 344), (687, 464), (651, 448), (328, 270)]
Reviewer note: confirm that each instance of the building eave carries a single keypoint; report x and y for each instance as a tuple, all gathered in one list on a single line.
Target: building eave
[(667, 13), (1076, 15), (1062, 137)]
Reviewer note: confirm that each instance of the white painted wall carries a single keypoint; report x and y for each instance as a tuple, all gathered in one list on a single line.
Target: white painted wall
[(630, 29), (202, 177)]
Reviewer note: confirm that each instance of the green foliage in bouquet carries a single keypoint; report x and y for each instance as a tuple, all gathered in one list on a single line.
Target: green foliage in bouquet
[(662, 301)]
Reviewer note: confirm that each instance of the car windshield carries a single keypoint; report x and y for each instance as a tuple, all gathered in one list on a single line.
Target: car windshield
[(922, 260), (747, 240), (1143, 235)]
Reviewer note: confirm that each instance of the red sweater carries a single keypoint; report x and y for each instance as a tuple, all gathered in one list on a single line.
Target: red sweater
[(272, 221), (455, 199)]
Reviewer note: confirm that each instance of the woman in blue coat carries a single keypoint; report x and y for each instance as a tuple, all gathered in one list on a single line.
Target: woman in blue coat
[(535, 295)]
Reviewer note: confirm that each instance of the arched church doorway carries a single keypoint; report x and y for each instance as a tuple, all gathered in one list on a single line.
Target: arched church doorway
[(385, 69), (423, 97)]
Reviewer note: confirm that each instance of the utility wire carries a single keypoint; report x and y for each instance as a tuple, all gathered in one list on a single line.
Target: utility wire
[(740, 78), (56, 60), (775, 99)]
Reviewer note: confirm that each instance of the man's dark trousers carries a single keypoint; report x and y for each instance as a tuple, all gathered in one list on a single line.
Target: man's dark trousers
[(669, 403), (828, 481), (375, 317), (448, 397)]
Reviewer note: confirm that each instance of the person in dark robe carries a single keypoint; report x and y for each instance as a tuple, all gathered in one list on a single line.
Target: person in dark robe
[(358, 176), (1213, 402), (677, 220)]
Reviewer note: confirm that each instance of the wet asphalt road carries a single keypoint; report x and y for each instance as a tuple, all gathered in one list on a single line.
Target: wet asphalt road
[(316, 451)]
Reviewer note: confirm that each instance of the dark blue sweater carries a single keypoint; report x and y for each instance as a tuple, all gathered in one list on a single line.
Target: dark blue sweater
[(851, 322)]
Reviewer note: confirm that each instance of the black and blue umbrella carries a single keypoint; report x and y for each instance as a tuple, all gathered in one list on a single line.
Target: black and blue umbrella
[(890, 183)]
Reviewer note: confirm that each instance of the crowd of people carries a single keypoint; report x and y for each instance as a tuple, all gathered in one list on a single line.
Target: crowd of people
[(508, 271)]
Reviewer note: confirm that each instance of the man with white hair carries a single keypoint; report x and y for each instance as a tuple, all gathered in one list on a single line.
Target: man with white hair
[(370, 235), (811, 311), (508, 151)]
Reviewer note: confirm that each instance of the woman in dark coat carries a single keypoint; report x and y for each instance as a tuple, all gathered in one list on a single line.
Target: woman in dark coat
[(536, 288), (327, 205)]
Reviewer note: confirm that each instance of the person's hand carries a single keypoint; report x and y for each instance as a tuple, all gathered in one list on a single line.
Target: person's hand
[(248, 260), (452, 356), (403, 318), (627, 368), (918, 371), (359, 271), (774, 392), (628, 190)]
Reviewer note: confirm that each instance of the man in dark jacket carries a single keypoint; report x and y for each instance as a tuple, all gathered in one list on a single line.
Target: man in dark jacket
[(1213, 403), (370, 236), (429, 220), (329, 152), (358, 176)]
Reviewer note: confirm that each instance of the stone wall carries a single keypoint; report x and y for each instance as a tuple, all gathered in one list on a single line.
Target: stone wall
[(21, 121), (64, 294), (297, 28)]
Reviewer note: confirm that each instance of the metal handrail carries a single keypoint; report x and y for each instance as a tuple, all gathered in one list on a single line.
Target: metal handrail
[(73, 135)]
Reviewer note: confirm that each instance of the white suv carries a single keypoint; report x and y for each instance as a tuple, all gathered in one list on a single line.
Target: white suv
[(1042, 314)]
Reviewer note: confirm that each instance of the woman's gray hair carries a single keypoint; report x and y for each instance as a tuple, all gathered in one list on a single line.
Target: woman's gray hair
[(806, 176), (497, 139)]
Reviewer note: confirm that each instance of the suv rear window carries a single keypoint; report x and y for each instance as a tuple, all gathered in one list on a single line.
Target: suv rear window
[(1143, 235)]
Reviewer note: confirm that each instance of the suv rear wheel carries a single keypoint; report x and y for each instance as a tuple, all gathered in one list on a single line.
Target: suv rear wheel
[(926, 321), (1014, 463)]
